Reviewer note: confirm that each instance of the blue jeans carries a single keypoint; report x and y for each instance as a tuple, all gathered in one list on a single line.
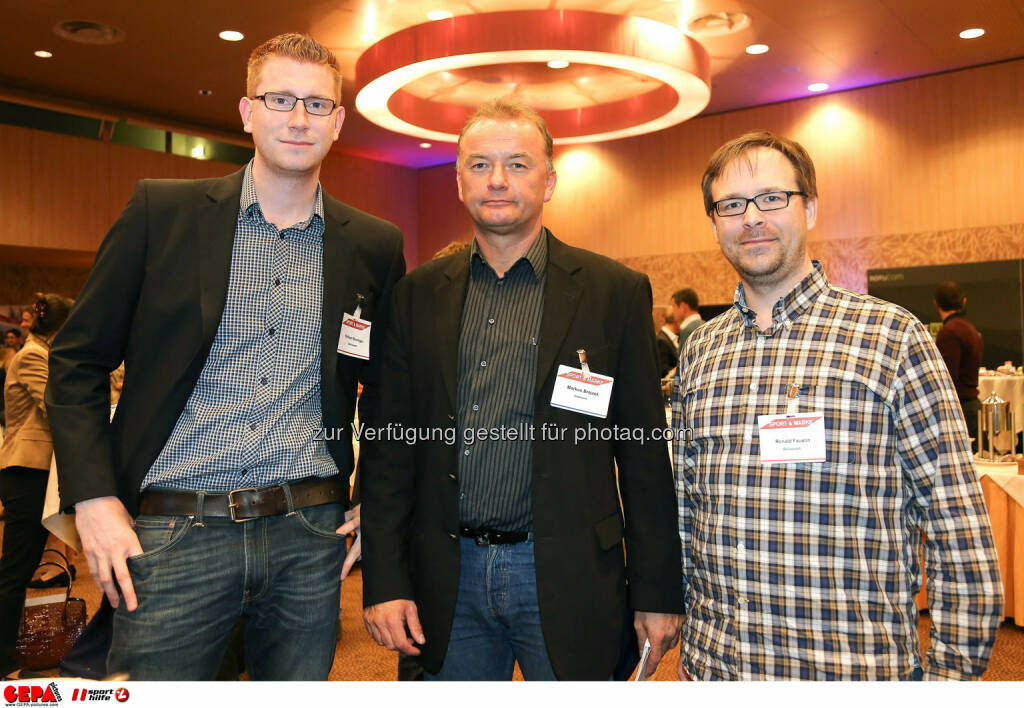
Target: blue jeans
[(196, 576), (497, 620)]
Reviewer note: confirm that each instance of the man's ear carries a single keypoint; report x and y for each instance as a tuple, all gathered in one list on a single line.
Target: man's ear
[(811, 212), (245, 110)]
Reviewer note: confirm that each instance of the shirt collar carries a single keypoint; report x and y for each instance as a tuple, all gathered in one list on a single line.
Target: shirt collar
[(536, 255), (249, 205), (695, 317), (793, 304)]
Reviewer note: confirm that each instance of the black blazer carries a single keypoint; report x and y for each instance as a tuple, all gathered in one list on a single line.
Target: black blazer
[(668, 355), (154, 299), (410, 493)]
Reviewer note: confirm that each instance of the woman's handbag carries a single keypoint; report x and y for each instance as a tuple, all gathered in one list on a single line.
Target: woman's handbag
[(49, 626)]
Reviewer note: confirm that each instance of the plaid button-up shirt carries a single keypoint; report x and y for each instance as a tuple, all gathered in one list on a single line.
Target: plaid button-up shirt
[(251, 419), (810, 570)]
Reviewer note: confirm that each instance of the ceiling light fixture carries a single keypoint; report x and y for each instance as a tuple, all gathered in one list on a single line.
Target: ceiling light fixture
[(817, 87), (43, 54), (205, 92), (435, 15), (757, 49), (426, 145), (198, 152), (558, 64), (668, 73), (972, 33), (231, 36)]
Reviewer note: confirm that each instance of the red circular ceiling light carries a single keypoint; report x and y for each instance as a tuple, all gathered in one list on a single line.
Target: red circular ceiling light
[(626, 76)]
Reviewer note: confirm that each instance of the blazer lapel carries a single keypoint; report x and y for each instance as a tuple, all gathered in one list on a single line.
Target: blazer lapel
[(449, 298), (561, 298), (217, 219), (338, 256)]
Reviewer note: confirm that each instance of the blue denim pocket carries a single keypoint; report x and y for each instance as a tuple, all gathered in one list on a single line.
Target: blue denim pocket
[(158, 534), (323, 520)]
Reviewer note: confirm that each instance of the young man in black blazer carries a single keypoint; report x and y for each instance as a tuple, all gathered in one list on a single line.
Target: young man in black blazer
[(498, 536), (243, 308)]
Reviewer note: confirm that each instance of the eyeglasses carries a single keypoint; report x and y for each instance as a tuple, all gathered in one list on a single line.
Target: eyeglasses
[(285, 102), (769, 201)]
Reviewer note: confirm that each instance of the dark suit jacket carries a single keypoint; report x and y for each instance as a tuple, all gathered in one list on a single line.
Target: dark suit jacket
[(154, 299), (410, 493), (668, 355)]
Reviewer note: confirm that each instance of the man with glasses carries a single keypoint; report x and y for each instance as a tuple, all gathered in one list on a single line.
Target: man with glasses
[(243, 308), (825, 443)]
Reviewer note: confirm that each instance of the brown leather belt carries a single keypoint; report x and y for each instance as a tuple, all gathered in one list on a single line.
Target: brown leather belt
[(248, 503)]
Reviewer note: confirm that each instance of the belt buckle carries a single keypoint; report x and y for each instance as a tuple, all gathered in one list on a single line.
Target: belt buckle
[(483, 537), (232, 504)]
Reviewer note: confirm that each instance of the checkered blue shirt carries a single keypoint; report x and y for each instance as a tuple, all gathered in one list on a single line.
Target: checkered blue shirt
[(251, 418), (810, 570)]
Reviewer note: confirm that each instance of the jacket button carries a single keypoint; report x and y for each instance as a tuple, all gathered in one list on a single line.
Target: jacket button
[(453, 536), (451, 476)]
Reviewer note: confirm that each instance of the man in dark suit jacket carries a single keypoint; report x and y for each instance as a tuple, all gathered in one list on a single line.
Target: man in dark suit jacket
[(668, 347), (498, 537), (241, 307)]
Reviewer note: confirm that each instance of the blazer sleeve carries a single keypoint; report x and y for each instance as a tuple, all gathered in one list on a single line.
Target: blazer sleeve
[(88, 347), (32, 372), (645, 474), (388, 484)]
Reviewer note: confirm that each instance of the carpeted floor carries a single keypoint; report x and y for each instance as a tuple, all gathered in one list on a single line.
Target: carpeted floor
[(359, 659)]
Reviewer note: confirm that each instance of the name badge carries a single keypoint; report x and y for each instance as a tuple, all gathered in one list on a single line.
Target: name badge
[(355, 337), (581, 392), (792, 437)]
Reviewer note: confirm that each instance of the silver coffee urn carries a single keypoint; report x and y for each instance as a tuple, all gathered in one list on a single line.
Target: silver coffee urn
[(994, 419)]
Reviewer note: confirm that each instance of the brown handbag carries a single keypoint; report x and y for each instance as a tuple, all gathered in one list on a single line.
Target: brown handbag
[(49, 629)]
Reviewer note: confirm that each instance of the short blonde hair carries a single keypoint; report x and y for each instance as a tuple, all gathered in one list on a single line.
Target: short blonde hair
[(296, 46), (510, 108)]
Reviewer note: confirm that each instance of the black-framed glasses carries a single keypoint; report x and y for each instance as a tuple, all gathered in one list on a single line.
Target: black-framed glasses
[(769, 201), (315, 105)]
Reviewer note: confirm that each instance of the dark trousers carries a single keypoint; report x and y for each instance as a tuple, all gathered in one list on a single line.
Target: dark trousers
[(23, 491), (970, 408)]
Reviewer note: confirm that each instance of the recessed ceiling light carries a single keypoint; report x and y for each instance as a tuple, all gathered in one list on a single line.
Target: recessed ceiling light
[(425, 145), (231, 36), (817, 87), (199, 152), (205, 92), (557, 64), (43, 54), (757, 49), (434, 15), (972, 33)]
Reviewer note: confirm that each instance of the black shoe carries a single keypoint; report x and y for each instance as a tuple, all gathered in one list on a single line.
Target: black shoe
[(60, 580)]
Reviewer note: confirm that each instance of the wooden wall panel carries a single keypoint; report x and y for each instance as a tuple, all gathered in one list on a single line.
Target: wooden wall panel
[(925, 155), (439, 222)]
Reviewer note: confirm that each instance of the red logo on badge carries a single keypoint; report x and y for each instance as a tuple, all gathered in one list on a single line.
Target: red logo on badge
[(591, 380), (791, 423), (121, 695), (356, 324)]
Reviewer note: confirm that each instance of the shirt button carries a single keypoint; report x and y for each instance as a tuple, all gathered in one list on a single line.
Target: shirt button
[(483, 363), (476, 407), (252, 426), (466, 453), (263, 380), (282, 237), (741, 492), (490, 320), (748, 437), (271, 331), (277, 281), (740, 548), (752, 387), (453, 536)]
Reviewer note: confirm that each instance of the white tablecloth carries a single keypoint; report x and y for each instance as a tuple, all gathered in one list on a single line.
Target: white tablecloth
[(1009, 388)]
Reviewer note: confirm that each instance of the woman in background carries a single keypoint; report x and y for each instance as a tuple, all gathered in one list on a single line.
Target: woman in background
[(24, 468)]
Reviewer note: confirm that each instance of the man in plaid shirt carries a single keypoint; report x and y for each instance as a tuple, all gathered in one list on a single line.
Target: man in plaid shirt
[(801, 541)]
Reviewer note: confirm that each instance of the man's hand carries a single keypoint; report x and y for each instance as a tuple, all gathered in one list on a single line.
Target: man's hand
[(662, 630), (108, 538), (386, 623), (356, 552)]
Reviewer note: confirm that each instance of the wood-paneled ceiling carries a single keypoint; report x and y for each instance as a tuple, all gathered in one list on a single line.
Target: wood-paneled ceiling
[(171, 51)]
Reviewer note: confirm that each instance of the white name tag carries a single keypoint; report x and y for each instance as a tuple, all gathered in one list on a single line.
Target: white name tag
[(792, 437), (575, 391), (355, 337)]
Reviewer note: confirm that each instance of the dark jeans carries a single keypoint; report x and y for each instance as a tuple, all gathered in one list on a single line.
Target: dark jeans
[(194, 580), (497, 619), (23, 491)]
